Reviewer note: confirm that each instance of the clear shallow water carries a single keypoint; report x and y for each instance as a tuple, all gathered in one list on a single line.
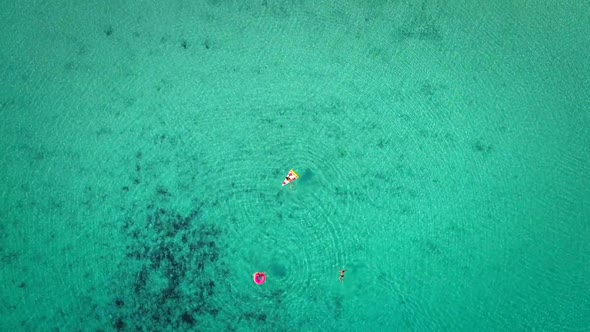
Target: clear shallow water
[(442, 148)]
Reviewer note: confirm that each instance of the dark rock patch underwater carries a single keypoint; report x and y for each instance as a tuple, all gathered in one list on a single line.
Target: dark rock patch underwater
[(173, 262)]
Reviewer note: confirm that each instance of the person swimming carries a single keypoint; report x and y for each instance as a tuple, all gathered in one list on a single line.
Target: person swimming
[(341, 277)]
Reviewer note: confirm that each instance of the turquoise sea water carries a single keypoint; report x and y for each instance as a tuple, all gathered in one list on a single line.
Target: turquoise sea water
[(443, 148)]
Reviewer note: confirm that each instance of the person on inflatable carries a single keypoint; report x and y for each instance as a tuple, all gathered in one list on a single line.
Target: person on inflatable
[(259, 278)]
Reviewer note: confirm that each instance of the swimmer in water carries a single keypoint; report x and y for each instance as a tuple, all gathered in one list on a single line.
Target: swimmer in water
[(341, 277)]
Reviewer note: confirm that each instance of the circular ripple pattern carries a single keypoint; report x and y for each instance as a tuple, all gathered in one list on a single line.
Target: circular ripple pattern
[(300, 232)]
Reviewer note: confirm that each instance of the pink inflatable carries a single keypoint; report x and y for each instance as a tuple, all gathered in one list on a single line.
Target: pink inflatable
[(259, 278)]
